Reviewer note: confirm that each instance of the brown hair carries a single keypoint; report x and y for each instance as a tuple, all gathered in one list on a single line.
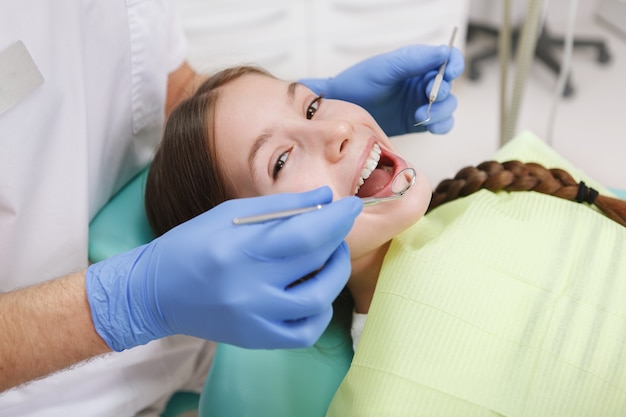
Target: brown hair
[(184, 179), (518, 176)]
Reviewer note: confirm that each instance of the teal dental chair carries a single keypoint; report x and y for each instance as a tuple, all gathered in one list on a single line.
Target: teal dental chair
[(241, 382), (277, 383)]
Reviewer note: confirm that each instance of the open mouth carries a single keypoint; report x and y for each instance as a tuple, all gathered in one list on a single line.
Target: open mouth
[(376, 174)]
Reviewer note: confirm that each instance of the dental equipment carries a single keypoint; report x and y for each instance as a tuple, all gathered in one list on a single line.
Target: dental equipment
[(399, 186), (438, 79)]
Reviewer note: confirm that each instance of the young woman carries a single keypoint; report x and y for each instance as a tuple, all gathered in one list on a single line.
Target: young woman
[(245, 133)]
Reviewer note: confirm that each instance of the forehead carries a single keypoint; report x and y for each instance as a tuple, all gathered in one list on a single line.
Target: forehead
[(248, 86), (248, 101)]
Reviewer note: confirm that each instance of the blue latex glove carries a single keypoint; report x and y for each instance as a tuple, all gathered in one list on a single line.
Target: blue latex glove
[(394, 87), (229, 283)]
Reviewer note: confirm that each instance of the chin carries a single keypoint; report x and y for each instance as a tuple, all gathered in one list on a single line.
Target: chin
[(377, 225)]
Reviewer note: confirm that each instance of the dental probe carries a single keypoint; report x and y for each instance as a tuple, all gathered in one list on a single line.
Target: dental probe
[(289, 213), (367, 201), (276, 215), (438, 79)]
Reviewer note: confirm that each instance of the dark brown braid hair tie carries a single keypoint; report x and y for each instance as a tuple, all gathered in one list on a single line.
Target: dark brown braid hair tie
[(518, 176), (586, 194)]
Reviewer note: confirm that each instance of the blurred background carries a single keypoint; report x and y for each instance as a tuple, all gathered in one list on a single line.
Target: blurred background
[(318, 38)]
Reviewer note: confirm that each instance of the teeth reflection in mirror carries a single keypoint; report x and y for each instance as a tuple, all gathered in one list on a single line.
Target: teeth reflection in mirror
[(403, 181)]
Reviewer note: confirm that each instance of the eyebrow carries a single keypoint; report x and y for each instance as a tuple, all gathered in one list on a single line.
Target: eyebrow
[(262, 139), (291, 90), (257, 145)]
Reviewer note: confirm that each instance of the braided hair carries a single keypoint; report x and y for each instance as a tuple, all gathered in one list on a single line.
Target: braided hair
[(518, 176)]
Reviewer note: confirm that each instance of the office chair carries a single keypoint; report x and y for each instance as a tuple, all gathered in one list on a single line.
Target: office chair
[(546, 50)]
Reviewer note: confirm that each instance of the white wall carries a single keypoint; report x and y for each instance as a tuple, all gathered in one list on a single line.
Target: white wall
[(305, 38)]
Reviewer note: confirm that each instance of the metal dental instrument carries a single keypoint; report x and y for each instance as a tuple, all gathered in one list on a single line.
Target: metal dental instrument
[(437, 84), (399, 186)]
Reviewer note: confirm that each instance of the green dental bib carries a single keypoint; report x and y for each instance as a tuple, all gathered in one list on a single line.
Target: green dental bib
[(507, 304)]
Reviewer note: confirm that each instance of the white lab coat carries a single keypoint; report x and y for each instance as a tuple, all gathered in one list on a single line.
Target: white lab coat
[(65, 148)]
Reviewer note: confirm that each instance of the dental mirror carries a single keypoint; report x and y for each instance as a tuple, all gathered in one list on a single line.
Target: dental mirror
[(399, 186)]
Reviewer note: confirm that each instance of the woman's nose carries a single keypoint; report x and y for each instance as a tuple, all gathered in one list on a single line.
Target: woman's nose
[(333, 136)]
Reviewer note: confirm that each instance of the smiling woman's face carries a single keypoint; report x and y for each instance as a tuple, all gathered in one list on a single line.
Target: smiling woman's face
[(272, 136)]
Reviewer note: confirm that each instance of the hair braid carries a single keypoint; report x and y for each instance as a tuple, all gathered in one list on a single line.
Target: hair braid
[(517, 176)]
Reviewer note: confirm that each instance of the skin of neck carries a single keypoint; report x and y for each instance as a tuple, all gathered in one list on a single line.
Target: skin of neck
[(364, 276)]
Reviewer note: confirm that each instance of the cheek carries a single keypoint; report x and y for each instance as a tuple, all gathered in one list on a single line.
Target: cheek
[(239, 183), (416, 199), (306, 182)]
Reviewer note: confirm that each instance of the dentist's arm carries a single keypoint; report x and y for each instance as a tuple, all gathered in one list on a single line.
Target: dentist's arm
[(206, 278), (45, 328)]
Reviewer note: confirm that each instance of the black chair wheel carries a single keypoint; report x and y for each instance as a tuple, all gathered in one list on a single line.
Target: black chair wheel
[(473, 73), (604, 56), (568, 91)]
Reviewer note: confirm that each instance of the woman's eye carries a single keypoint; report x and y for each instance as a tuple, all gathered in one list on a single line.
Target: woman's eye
[(315, 104), (280, 163)]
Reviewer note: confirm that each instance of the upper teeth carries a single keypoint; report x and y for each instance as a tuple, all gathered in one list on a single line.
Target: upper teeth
[(370, 165)]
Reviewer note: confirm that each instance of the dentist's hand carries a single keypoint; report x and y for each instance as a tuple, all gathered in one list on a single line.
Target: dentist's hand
[(394, 87), (229, 283)]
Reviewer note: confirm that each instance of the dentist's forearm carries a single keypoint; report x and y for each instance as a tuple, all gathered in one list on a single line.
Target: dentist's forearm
[(46, 328)]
